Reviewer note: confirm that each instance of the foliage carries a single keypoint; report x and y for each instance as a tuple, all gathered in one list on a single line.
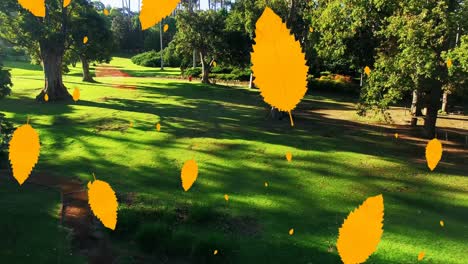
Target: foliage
[(332, 85), (5, 82), (6, 131), (148, 59), (194, 72)]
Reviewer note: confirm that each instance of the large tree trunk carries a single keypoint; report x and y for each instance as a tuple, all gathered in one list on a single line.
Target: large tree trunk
[(86, 75), (205, 68), (432, 109), (54, 87)]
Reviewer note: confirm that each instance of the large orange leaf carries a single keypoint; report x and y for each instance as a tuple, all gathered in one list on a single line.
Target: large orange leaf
[(152, 11), (361, 231), (37, 7), (66, 3), (189, 174), (103, 202), (433, 153), (24, 152), (279, 65)]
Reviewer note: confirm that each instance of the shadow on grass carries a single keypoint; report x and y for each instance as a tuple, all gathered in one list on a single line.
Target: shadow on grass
[(237, 116)]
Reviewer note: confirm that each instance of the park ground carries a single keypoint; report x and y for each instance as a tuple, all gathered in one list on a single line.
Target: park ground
[(339, 160)]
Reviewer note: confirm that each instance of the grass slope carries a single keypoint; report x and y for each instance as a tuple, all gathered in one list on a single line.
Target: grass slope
[(334, 169)]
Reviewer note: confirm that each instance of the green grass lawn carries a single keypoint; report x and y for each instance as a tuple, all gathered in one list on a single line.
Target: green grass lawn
[(334, 169)]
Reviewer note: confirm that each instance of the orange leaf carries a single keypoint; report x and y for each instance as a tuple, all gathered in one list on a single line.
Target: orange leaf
[(279, 65), (153, 11), (76, 95), (36, 7), (103, 202), (433, 153), (421, 255), (166, 27), (226, 197), (158, 127), (189, 174), (85, 40), (66, 3), (46, 97), (106, 12), (24, 152), (449, 63), (367, 71), (291, 231), (361, 231)]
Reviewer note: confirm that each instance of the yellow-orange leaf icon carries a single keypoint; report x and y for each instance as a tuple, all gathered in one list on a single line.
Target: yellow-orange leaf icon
[(76, 94), (226, 197), (361, 231), (103, 202), (152, 11), (289, 156), (24, 152), (311, 29), (66, 3), (433, 153), (215, 252), (36, 7), (46, 97), (106, 12), (279, 65), (396, 135), (166, 27), (158, 127), (367, 71), (85, 40), (449, 63), (441, 223), (189, 174), (291, 231), (421, 255)]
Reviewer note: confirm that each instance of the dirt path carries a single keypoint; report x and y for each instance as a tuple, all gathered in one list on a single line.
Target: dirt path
[(88, 238), (109, 71)]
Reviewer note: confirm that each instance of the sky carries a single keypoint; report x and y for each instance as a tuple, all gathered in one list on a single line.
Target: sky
[(134, 3)]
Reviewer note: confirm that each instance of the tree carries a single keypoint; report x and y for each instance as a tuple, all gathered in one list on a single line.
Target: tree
[(46, 37), (414, 38), (87, 22), (203, 31)]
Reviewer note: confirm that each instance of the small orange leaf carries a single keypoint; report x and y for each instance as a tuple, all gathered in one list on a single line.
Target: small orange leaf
[(433, 153), (153, 11), (130, 124), (76, 95), (367, 71), (106, 12), (441, 223), (396, 135), (361, 231), (291, 231), (166, 27), (214, 64), (103, 202), (46, 97), (66, 3), (85, 40), (158, 127), (24, 152), (421, 255), (36, 7), (288, 156), (189, 174), (215, 252), (226, 197), (311, 29), (266, 184), (449, 63)]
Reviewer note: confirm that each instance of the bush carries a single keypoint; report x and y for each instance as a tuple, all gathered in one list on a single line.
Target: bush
[(6, 131), (327, 85), (5, 82), (148, 59), (194, 72)]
